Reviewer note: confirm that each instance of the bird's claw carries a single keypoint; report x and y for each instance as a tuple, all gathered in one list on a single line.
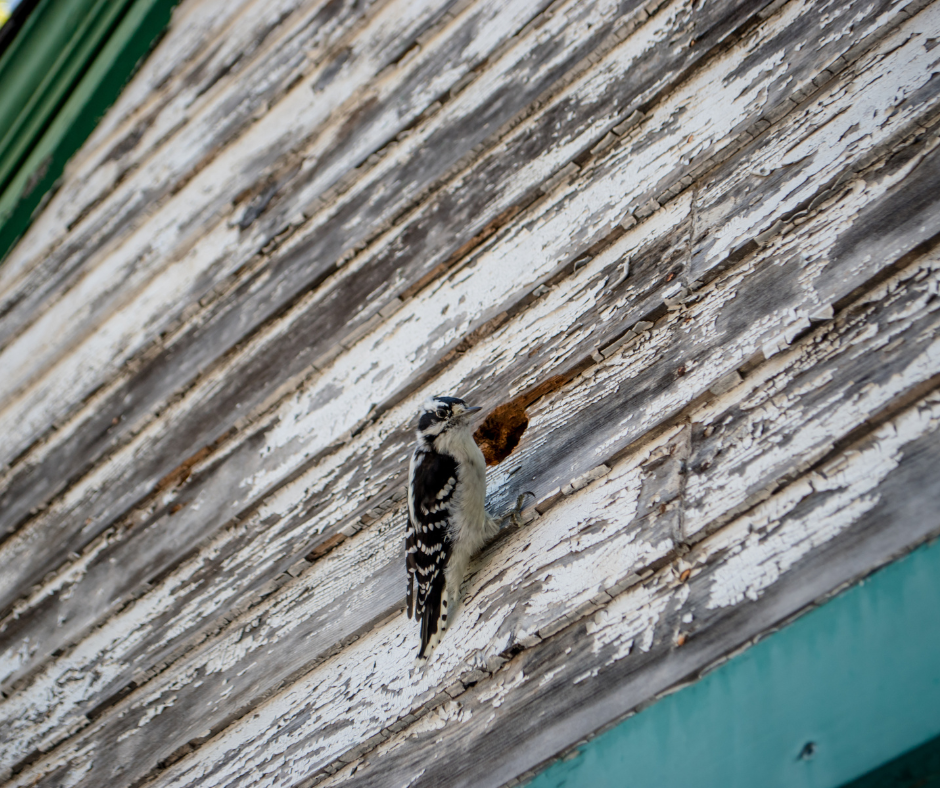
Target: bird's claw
[(516, 514)]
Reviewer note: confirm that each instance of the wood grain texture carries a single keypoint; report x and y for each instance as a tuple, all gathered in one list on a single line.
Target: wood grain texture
[(166, 166), (696, 252), (536, 83), (865, 509), (835, 356), (174, 225), (102, 425), (580, 545), (100, 520), (178, 57), (103, 561), (160, 378)]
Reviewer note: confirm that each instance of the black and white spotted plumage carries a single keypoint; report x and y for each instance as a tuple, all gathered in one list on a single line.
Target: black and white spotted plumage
[(447, 519), (428, 543)]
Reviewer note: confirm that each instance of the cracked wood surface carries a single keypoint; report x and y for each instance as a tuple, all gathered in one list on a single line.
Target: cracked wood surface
[(94, 500), (123, 408), (382, 108), (838, 363), (267, 364), (260, 368), (579, 300), (215, 255), (167, 166), (504, 200), (860, 325), (589, 543), (182, 76), (854, 514), (80, 595)]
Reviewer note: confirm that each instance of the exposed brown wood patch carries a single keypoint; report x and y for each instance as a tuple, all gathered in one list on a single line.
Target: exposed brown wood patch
[(500, 432)]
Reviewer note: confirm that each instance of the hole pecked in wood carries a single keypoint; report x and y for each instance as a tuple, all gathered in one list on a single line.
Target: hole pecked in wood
[(500, 433)]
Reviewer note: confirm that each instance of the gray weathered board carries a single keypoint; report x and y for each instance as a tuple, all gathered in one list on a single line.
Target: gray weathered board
[(686, 257)]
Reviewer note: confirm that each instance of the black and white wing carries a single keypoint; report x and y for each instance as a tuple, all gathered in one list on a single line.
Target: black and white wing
[(428, 542)]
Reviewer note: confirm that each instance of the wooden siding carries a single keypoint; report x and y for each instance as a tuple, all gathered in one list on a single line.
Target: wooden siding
[(685, 254)]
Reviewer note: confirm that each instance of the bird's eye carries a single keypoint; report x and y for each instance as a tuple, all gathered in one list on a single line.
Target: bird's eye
[(441, 413)]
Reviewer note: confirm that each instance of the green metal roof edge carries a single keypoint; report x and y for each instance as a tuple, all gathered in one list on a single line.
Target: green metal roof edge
[(839, 692), (45, 64), (115, 36)]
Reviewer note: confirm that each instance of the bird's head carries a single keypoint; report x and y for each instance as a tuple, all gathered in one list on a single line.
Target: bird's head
[(443, 414)]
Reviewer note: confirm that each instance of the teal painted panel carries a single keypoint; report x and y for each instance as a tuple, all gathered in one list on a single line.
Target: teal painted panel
[(842, 690), (919, 768)]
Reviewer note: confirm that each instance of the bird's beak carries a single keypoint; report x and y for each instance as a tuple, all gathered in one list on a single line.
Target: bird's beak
[(473, 410)]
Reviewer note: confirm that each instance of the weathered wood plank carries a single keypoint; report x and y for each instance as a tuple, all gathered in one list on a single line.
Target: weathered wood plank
[(377, 454), (173, 161), (290, 615), (203, 198), (896, 314), (170, 377), (240, 44), (100, 433), (367, 466), (558, 567), (131, 558), (161, 379), (205, 44), (535, 81), (857, 513), (420, 78), (844, 122), (804, 415), (243, 592)]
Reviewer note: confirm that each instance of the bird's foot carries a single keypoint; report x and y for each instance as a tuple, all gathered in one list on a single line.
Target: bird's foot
[(516, 514)]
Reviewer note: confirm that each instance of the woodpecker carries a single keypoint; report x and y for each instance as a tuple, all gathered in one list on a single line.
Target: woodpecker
[(447, 518)]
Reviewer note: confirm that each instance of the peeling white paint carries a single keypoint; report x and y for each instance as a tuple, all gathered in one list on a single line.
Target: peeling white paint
[(90, 173), (556, 571), (276, 543), (816, 142), (804, 421), (770, 550), (638, 611), (603, 557), (264, 479), (632, 617), (165, 234)]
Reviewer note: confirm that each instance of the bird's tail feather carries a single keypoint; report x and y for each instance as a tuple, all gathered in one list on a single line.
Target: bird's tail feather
[(433, 622)]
